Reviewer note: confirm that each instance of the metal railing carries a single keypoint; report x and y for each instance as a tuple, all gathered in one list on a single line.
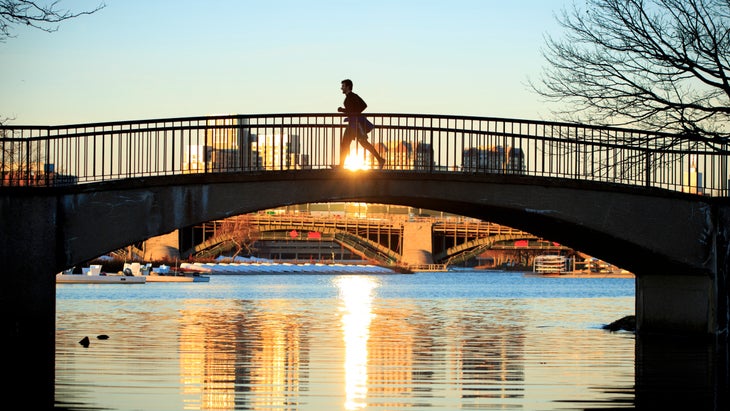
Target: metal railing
[(87, 153)]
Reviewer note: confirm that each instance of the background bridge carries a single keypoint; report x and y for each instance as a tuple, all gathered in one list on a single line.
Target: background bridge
[(376, 239)]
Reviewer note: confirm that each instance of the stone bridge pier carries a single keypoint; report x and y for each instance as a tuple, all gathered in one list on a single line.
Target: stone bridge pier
[(417, 243), (29, 251), (678, 302)]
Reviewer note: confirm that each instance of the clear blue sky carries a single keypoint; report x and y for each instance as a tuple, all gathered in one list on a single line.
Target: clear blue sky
[(146, 59)]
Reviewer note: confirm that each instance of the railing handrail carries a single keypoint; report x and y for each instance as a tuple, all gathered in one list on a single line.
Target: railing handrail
[(600, 143), (82, 153), (366, 114)]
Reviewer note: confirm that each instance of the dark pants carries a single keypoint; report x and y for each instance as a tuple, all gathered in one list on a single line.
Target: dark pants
[(355, 129)]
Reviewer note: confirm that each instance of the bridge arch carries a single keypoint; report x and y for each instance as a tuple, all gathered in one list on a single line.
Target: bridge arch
[(364, 247), (626, 226)]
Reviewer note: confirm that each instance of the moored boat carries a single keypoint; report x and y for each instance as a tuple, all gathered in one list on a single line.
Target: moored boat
[(94, 275), (166, 274)]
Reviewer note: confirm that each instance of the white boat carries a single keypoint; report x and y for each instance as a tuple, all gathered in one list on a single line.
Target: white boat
[(93, 275), (164, 274), (550, 264), (427, 268)]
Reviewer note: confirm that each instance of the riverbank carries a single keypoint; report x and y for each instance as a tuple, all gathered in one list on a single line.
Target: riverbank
[(254, 265), (266, 267), (581, 274)]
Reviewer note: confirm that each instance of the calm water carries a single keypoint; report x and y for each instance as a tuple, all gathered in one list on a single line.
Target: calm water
[(435, 341)]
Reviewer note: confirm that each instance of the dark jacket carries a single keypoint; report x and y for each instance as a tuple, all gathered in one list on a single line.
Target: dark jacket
[(354, 105)]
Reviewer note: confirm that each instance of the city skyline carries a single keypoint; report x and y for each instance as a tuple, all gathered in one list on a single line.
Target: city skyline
[(134, 60)]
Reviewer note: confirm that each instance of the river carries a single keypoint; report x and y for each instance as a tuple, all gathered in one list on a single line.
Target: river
[(433, 341)]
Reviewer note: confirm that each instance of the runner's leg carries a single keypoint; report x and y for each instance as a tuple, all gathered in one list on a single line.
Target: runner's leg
[(347, 137), (369, 147)]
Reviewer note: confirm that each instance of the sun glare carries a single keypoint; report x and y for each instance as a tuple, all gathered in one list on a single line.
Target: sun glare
[(356, 160)]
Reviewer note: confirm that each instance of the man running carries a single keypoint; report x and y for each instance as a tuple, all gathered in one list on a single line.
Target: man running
[(356, 123)]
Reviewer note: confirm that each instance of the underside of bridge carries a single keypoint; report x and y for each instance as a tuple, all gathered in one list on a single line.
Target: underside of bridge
[(635, 230), (677, 245)]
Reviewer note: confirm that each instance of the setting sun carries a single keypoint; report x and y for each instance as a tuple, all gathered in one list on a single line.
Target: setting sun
[(357, 160)]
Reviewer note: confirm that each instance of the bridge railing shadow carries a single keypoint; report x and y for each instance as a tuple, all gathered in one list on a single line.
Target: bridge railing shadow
[(44, 156)]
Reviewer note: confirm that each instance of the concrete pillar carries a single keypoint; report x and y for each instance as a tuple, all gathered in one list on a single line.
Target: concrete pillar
[(28, 251), (164, 247), (417, 243), (671, 303)]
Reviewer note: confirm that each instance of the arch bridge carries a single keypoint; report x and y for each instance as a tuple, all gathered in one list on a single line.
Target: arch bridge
[(376, 239), (652, 203)]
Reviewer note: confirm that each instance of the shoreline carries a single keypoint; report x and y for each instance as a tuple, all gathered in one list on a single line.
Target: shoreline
[(579, 275)]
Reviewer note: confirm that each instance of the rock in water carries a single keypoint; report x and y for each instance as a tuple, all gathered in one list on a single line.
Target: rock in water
[(627, 323)]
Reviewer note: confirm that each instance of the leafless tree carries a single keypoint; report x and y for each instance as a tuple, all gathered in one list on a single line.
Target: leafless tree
[(16, 155), (241, 232), (658, 65), (37, 14)]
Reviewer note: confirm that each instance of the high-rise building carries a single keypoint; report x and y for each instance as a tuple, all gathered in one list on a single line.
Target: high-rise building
[(493, 159), (221, 146), (278, 152)]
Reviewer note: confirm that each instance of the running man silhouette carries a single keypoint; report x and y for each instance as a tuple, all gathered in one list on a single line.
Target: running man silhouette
[(356, 124)]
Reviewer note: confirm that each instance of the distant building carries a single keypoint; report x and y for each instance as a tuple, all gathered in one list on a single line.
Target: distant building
[(402, 155), (493, 159), (221, 146), (692, 180), (227, 144), (278, 152), (424, 157)]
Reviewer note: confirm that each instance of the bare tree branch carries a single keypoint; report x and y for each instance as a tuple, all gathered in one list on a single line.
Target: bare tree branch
[(35, 14), (656, 64)]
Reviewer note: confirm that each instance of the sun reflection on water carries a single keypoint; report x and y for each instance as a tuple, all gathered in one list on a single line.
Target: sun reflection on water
[(356, 296)]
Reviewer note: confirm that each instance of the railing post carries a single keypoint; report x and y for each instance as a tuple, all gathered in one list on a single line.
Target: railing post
[(648, 168), (723, 189), (243, 143), (27, 162), (46, 169), (432, 153), (282, 151)]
